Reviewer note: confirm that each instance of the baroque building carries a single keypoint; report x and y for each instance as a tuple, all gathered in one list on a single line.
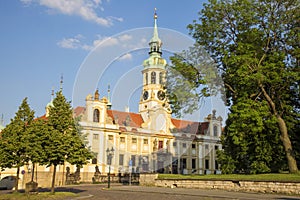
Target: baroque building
[(150, 140)]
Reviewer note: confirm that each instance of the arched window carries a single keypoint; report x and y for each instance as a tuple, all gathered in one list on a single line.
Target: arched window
[(215, 131), (160, 78), (146, 79), (96, 116), (153, 77)]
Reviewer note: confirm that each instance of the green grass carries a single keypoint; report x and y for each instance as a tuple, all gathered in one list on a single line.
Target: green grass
[(41, 195), (237, 177)]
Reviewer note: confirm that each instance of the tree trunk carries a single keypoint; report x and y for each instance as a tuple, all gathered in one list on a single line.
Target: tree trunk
[(284, 136), (53, 179), (287, 146), (17, 180), (32, 172)]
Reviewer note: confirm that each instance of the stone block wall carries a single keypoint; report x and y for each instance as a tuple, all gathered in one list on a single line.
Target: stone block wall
[(243, 186), (148, 179)]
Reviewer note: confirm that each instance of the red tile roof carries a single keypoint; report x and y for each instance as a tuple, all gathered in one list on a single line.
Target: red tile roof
[(135, 121), (42, 117), (78, 111), (190, 126), (126, 118)]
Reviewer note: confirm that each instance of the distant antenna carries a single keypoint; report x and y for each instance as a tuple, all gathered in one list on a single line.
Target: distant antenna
[(61, 82), (2, 120), (52, 94), (108, 92)]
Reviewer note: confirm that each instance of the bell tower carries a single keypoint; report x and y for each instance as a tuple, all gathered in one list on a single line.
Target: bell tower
[(154, 77)]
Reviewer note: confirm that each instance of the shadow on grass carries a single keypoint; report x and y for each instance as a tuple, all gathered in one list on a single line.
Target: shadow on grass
[(58, 189)]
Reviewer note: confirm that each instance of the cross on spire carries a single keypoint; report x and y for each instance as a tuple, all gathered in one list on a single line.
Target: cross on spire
[(61, 82)]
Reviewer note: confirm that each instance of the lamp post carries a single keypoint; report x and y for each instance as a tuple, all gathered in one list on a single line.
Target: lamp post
[(109, 154)]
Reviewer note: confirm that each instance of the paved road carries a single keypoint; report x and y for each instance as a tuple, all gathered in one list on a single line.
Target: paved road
[(117, 192), (121, 192)]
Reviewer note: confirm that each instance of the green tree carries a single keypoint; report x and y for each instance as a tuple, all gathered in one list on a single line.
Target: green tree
[(36, 138), (256, 46), (13, 143), (63, 143), (191, 76)]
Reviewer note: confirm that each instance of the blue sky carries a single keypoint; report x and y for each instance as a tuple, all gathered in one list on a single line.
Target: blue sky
[(43, 39)]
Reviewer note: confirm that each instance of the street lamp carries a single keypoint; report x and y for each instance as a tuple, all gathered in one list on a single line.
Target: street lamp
[(109, 154)]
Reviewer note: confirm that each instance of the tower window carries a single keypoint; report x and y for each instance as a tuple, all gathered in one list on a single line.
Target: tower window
[(160, 78), (96, 115), (146, 79), (215, 131), (153, 77)]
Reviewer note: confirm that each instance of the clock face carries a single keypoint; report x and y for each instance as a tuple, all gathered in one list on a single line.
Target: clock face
[(161, 95), (145, 95)]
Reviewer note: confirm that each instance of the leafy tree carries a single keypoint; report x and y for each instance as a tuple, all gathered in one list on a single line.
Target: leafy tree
[(35, 138), (191, 76), (255, 44), (63, 143), (13, 143)]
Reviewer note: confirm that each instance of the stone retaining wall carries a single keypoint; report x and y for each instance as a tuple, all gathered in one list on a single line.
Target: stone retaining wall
[(246, 186)]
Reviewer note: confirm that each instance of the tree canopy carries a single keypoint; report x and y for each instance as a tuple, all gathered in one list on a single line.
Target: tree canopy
[(255, 45), (52, 141), (13, 143), (63, 143)]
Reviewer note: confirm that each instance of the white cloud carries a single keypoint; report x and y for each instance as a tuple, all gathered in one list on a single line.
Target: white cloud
[(69, 43), (77, 42), (125, 37), (105, 41), (126, 56), (86, 9)]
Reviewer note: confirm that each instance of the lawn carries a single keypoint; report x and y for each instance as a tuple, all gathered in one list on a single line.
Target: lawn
[(41, 195), (284, 177)]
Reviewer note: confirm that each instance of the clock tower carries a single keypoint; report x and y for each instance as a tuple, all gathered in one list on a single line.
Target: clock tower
[(154, 100)]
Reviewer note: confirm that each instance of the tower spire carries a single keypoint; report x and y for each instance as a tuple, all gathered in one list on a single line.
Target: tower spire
[(108, 97), (155, 43)]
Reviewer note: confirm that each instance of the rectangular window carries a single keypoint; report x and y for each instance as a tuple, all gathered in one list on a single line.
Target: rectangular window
[(174, 144), (193, 163), (121, 159), (216, 164), (160, 144), (95, 136), (216, 147), (133, 160), (94, 160), (111, 137), (122, 139), (183, 145), (193, 146), (183, 163), (133, 140), (206, 164), (145, 141), (206, 147)]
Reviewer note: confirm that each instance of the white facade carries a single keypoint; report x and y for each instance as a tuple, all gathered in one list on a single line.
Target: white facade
[(150, 140)]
